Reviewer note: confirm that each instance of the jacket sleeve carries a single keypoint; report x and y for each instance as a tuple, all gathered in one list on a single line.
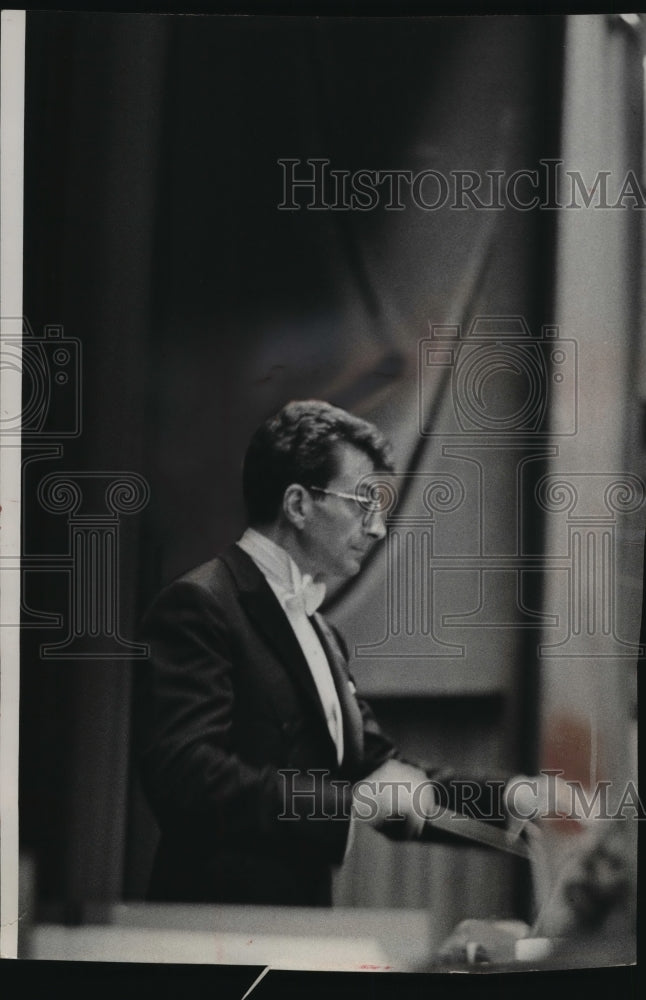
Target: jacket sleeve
[(196, 780)]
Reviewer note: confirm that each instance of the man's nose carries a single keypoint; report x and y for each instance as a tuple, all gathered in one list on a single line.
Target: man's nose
[(376, 526)]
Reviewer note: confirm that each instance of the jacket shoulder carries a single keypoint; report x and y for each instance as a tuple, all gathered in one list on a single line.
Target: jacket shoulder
[(218, 580), (209, 584), (210, 576)]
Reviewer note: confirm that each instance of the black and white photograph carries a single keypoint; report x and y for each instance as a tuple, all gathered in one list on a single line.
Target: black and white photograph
[(323, 491)]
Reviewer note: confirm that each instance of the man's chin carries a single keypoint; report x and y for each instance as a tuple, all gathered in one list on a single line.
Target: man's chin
[(352, 565)]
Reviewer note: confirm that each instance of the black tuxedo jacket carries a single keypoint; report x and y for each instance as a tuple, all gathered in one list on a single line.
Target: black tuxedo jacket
[(236, 757)]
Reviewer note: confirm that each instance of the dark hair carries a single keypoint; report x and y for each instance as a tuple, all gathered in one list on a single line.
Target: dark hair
[(297, 445)]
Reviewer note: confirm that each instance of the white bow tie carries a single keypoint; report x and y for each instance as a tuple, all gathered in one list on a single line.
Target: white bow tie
[(307, 597)]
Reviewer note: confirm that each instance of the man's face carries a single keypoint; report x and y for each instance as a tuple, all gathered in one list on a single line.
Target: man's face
[(339, 533)]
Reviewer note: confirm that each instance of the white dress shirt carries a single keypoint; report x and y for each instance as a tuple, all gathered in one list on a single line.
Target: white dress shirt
[(287, 582)]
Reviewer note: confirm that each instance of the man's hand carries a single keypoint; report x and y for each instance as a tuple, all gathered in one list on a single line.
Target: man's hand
[(395, 792), (543, 796)]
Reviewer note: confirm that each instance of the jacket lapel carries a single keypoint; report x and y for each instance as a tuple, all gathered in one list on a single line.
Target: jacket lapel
[(265, 612), (352, 718)]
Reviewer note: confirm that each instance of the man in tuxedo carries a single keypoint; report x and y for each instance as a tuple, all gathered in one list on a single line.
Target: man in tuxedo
[(256, 755)]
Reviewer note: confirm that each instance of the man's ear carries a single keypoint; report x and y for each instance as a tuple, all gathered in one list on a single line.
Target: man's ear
[(296, 505)]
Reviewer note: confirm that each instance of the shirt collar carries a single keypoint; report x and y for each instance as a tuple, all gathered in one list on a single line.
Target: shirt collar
[(272, 560)]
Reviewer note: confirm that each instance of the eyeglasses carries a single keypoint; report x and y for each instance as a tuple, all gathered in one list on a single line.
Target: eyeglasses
[(369, 505)]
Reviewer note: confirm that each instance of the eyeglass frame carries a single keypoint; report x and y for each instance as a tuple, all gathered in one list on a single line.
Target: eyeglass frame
[(368, 511)]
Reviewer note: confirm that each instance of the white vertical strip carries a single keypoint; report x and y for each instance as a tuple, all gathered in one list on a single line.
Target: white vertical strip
[(597, 266), (12, 106)]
